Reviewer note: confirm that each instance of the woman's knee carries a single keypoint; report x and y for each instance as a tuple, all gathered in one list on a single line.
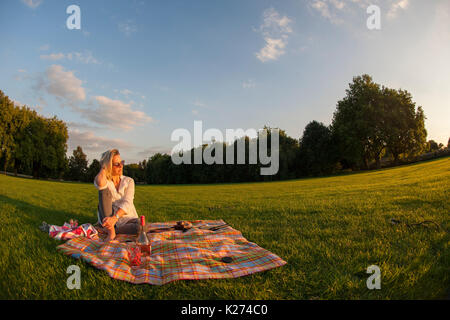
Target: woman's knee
[(131, 227), (105, 194), (105, 203)]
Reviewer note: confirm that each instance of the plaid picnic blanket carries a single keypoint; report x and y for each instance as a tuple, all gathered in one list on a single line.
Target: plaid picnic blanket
[(175, 255)]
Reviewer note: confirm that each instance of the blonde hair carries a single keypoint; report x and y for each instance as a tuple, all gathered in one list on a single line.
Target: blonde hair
[(106, 161)]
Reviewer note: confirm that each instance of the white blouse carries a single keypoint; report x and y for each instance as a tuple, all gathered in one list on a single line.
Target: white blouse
[(122, 198)]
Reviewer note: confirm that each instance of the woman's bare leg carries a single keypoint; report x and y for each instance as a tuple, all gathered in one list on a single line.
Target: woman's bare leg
[(105, 209)]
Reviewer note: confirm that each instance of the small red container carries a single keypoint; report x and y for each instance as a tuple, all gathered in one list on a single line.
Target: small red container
[(146, 249)]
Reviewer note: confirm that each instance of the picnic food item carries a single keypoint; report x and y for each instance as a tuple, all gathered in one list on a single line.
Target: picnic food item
[(135, 256), (180, 225), (227, 259), (142, 239), (183, 226)]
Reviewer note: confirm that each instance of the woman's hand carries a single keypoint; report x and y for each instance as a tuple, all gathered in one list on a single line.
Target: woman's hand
[(109, 222)]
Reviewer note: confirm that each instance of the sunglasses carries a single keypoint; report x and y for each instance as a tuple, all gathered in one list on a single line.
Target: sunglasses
[(119, 164)]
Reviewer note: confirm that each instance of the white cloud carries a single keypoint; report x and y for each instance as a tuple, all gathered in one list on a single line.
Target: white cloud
[(396, 6), (273, 23), (273, 49), (52, 56), (150, 151), (126, 92), (340, 12), (67, 88), (329, 9), (85, 57), (338, 4), (275, 30), (93, 143), (64, 85), (115, 114), (32, 3), (79, 125), (127, 28), (20, 104), (322, 7), (248, 84)]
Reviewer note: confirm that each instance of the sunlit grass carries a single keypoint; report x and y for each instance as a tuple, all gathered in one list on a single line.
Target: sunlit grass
[(329, 230)]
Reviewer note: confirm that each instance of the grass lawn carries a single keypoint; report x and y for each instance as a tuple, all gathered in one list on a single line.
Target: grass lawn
[(329, 230)]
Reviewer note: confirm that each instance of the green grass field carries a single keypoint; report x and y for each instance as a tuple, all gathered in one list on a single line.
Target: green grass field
[(329, 230)]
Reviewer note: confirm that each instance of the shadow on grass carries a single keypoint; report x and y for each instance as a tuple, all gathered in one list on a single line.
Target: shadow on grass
[(34, 215), (36, 252), (435, 283), (414, 203)]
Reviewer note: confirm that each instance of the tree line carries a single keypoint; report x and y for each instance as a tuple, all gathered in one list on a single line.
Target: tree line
[(30, 143), (78, 169), (371, 125)]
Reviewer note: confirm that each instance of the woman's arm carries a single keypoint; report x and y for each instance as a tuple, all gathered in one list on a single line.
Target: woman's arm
[(100, 179), (111, 221), (126, 202), (124, 206)]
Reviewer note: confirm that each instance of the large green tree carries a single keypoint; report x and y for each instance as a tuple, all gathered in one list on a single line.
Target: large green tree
[(93, 170), (356, 122), (317, 154), (77, 165), (433, 146), (7, 129), (158, 168), (371, 120), (404, 126), (49, 139), (23, 149), (30, 143)]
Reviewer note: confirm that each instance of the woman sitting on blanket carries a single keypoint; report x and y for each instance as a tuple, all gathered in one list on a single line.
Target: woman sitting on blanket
[(116, 211)]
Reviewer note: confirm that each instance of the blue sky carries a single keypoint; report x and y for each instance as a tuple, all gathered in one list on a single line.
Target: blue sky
[(137, 70)]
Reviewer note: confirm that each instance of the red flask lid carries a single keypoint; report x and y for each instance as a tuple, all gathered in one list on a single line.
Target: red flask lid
[(142, 220)]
